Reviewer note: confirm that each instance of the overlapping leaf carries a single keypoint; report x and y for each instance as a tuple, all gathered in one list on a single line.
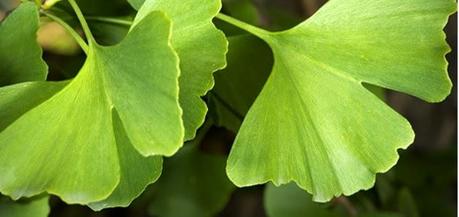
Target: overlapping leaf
[(20, 54), (201, 48), (314, 123), (85, 139)]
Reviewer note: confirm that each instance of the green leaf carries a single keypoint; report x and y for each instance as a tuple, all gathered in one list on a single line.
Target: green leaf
[(314, 123), (201, 48), (136, 172), (20, 54), (238, 85), (15, 100), (30, 208), (76, 148), (193, 184), (289, 200)]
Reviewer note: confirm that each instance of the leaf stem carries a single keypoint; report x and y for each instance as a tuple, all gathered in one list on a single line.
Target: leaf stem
[(83, 22), (261, 33), (50, 3), (70, 30), (110, 20)]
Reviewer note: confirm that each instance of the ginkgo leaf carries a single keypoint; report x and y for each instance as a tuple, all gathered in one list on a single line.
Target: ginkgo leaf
[(18, 33), (76, 149), (136, 171), (201, 48), (314, 123), (15, 100), (36, 207)]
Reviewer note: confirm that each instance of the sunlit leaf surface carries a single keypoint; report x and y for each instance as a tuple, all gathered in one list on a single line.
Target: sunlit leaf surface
[(201, 48), (314, 123), (87, 138)]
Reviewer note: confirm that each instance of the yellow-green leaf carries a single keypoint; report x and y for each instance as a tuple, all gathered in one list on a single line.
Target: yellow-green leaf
[(314, 123)]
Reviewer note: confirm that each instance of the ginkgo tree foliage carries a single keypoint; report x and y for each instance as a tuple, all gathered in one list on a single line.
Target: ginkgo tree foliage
[(99, 139)]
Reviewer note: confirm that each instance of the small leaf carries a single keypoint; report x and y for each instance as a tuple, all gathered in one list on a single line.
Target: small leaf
[(201, 48), (30, 208), (20, 54), (314, 123), (75, 148)]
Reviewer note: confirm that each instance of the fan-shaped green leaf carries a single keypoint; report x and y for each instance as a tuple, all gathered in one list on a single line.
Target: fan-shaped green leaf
[(201, 48), (75, 148), (314, 123), (20, 54)]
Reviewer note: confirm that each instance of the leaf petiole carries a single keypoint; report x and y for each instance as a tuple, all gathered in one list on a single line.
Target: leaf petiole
[(261, 33), (70, 30), (110, 20), (84, 24)]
